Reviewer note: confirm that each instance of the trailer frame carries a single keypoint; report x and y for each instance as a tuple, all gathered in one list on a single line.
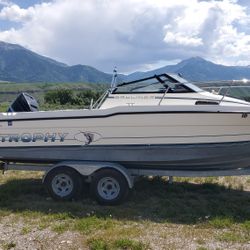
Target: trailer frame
[(115, 173)]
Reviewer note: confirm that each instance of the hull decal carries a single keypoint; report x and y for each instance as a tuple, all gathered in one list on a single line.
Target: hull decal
[(87, 137), (29, 137)]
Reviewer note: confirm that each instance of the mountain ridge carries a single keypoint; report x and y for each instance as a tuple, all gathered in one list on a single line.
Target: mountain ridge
[(199, 69), (18, 64)]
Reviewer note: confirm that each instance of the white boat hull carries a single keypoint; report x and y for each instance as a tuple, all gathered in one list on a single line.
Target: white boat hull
[(146, 137), (168, 157)]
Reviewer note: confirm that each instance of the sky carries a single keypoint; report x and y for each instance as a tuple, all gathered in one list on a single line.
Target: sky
[(133, 35)]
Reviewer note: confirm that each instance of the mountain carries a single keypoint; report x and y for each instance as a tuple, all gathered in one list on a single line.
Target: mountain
[(18, 64), (199, 69)]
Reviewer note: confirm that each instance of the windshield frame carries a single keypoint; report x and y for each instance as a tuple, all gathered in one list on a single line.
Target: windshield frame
[(163, 79)]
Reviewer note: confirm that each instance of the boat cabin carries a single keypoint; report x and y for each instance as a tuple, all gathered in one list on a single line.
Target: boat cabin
[(163, 89)]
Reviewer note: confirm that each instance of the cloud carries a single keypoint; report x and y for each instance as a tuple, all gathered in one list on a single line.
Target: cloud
[(13, 12), (180, 38), (132, 34)]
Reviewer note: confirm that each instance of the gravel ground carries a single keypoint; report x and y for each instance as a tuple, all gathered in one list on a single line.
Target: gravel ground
[(184, 237), (14, 237)]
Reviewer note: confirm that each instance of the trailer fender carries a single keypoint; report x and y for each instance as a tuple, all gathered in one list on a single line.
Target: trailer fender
[(89, 168)]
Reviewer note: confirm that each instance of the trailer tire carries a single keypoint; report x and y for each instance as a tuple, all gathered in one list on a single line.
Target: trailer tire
[(109, 187), (63, 184)]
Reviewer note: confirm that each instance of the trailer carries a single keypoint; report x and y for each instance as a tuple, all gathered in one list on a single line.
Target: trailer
[(109, 182)]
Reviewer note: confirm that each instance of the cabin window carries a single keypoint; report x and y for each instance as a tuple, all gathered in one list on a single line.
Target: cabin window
[(145, 87), (178, 88)]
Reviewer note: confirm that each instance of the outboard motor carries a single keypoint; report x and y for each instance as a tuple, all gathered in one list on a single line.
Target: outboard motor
[(24, 103)]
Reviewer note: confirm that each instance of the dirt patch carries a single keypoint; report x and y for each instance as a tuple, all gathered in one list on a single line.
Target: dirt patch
[(16, 234)]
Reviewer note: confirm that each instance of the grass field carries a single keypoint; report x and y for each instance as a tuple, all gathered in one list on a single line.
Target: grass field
[(197, 213)]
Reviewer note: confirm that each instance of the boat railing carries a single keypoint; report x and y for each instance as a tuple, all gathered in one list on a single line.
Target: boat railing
[(100, 100), (241, 91), (164, 95)]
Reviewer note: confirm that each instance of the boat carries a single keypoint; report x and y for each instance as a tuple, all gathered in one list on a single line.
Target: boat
[(160, 122)]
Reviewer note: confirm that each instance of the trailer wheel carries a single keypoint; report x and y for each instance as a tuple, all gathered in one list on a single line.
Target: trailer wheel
[(109, 187), (63, 184)]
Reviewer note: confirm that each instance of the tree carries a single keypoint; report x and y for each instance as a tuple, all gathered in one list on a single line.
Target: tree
[(60, 96)]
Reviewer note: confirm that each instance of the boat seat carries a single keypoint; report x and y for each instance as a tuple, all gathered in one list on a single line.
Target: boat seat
[(24, 103)]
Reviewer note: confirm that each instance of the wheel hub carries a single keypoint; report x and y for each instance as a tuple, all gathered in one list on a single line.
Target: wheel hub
[(108, 188), (62, 185)]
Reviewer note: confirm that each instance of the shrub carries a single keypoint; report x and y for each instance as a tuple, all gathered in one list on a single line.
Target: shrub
[(59, 96), (65, 96)]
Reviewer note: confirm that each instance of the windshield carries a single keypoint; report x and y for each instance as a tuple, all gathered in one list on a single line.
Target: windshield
[(156, 84)]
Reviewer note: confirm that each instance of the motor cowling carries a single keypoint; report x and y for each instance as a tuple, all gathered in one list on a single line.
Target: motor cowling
[(24, 103)]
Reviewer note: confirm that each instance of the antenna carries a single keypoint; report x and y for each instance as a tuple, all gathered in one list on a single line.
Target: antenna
[(114, 79)]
